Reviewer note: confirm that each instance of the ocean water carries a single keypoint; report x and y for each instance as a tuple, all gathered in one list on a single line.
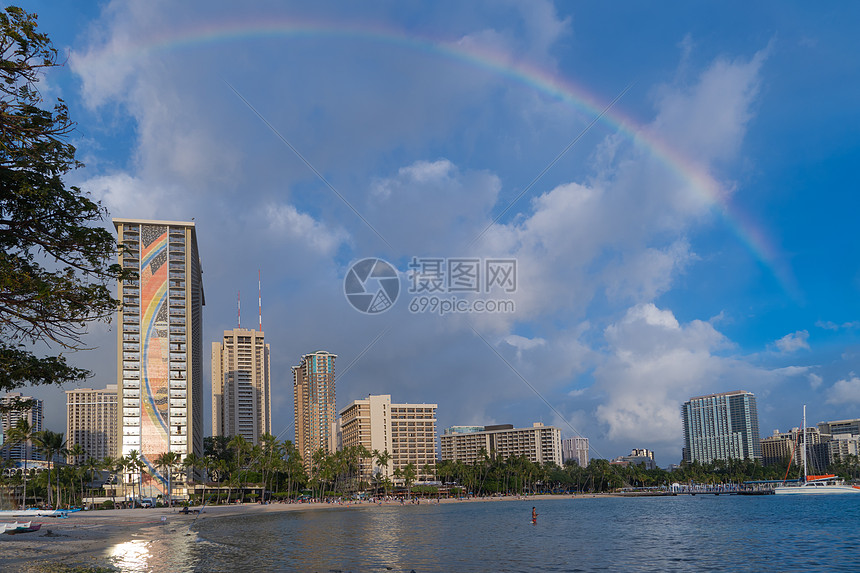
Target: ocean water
[(684, 533)]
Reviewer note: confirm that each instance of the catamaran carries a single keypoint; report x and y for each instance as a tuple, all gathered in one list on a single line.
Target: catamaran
[(815, 484), (36, 512), (13, 528)]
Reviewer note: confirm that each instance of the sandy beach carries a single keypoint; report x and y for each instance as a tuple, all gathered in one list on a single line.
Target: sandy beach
[(81, 541)]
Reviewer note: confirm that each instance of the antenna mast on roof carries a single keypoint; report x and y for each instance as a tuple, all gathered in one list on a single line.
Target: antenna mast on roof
[(239, 305), (260, 298)]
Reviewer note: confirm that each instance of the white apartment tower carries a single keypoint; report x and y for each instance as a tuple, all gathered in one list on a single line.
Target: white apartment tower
[(160, 345), (9, 419), (575, 449), (241, 395), (721, 426), (91, 421)]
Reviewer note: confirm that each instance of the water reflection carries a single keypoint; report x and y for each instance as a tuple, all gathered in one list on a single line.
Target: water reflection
[(131, 556), (167, 548), (649, 534)]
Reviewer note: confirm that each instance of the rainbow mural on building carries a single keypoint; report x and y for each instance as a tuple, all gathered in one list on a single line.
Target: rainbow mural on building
[(154, 439)]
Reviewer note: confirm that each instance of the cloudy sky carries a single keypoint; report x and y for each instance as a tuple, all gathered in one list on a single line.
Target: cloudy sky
[(697, 235)]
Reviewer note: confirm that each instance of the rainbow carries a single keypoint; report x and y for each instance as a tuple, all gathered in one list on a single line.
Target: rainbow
[(753, 237)]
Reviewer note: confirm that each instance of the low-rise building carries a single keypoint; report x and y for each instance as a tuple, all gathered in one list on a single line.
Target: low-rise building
[(840, 427), (540, 444), (637, 457)]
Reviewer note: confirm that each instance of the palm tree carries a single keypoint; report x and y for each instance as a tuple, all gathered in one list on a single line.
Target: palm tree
[(293, 464), (91, 465), (136, 463), (192, 463), (166, 462), (382, 459), (120, 465), (112, 466), (75, 454), (51, 444), (22, 432), (409, 474)]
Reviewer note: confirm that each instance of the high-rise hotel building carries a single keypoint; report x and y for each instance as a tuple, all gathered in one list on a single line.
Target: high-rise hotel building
[(160, 344), (9, 419), (406, 431), (315, 407), (91, 421), (241, 395), (575, 449), (721, 427)]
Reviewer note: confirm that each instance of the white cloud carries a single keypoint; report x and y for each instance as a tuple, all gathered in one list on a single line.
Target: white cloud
[(829, 325), (431, 208), (793, 342), (845, 391), (286, 220), (521, 343), (708, 118), (815, 380), (654, 364), (124, 195)]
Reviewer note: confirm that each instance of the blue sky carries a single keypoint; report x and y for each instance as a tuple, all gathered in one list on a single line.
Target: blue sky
[(699, 238)]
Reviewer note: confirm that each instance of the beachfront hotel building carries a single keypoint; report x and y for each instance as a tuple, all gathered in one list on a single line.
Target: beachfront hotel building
[(92, 422), (575, 449), (406, 431), (315, 406), (9, 419), (823, 448), (160, 345), (241, 392), (540, 444), (721, 426)]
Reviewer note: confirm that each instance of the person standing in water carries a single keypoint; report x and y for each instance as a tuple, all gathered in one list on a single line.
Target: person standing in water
[(534, 516)]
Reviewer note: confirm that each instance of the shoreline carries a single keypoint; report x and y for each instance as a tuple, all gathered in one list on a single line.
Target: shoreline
[(83, 539)]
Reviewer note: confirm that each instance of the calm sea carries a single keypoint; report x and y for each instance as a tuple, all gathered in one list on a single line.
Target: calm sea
[(701, 533)]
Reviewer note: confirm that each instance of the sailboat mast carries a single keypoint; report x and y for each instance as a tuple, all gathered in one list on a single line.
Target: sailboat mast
[(803, 452)]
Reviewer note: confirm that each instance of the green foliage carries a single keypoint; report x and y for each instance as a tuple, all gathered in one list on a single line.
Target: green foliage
[(217, 447), (51, 444), (107, 504), (55, 269), (425, 489)]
